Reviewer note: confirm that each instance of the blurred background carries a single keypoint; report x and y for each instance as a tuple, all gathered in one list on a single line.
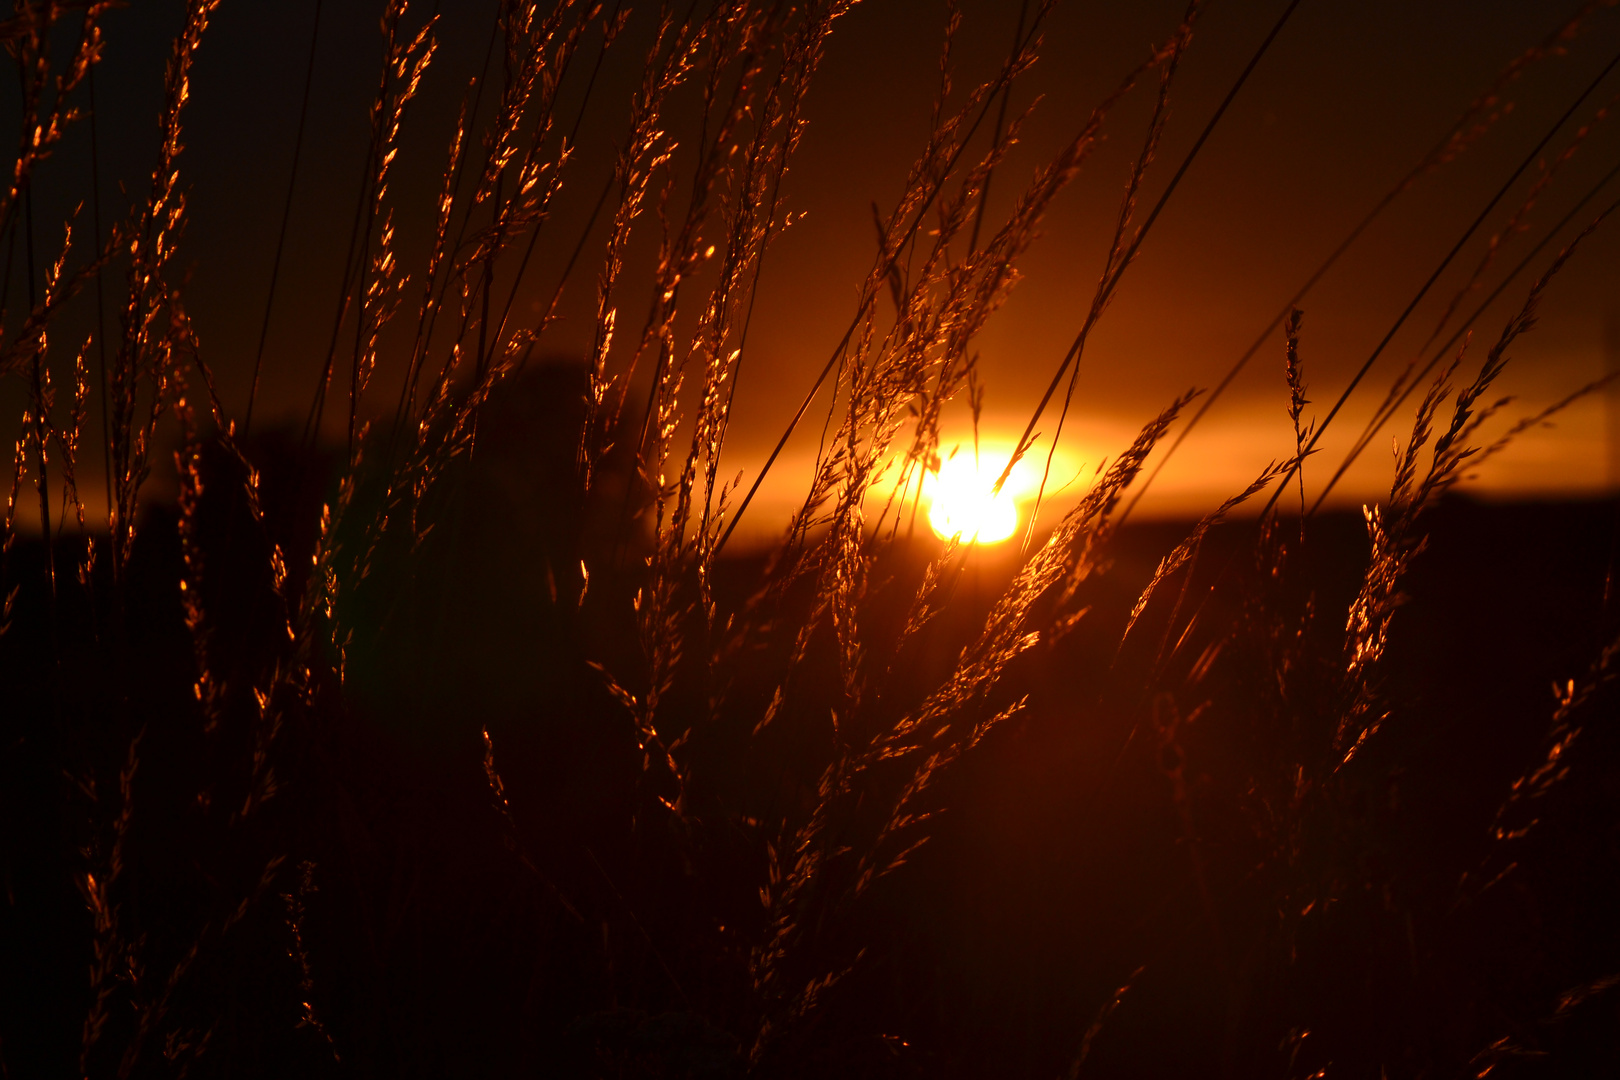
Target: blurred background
[(1349, 99)]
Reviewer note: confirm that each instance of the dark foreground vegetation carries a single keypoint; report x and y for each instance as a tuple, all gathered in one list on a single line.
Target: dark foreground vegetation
[(1157, 866), (444, 736)]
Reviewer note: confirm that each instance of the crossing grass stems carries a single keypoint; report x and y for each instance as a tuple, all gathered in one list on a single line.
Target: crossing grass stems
[(657, 407)]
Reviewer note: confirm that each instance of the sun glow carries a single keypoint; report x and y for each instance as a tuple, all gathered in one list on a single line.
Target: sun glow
[(963, 503)]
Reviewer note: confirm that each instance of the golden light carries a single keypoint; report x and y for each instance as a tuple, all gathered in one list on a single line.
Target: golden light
[(963, 503)]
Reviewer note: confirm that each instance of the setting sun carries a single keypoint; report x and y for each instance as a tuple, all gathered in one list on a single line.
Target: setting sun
[(962, 503)]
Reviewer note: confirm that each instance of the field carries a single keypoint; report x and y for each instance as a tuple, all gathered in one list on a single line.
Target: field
[(444, 722)]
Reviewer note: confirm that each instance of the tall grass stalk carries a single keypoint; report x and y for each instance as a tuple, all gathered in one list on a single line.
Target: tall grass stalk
[(768, 747)]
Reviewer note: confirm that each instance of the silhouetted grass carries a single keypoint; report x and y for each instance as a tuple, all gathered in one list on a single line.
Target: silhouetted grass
[(454, 743)]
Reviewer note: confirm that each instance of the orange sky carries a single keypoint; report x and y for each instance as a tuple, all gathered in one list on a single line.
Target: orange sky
[(1346, 102)]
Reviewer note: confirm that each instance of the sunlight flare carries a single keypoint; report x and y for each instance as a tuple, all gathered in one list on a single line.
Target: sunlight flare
[(963, 503)]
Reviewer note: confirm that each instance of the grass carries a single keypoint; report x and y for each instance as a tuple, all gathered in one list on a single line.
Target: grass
[(446, 735)]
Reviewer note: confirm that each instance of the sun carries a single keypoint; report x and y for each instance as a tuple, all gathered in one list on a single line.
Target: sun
[(963, 503)]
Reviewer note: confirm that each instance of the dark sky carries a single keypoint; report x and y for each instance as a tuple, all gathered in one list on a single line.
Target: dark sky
[(1348, 99)]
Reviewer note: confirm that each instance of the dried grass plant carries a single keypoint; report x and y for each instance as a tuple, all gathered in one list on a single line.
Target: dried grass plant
[(797, 740)]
